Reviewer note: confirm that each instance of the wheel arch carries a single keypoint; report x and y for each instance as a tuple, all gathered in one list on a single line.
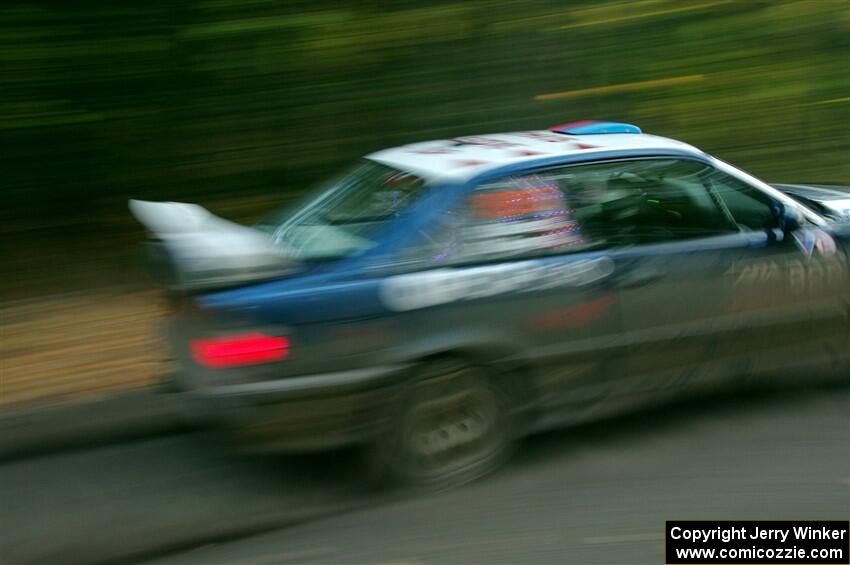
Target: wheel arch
[(514, 374)]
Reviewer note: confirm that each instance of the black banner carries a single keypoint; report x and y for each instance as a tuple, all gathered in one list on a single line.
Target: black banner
[(744, 542)]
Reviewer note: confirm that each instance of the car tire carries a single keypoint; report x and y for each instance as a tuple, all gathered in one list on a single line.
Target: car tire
[(450, 425)]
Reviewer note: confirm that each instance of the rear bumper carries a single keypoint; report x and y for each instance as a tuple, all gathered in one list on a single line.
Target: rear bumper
[(298, 413)]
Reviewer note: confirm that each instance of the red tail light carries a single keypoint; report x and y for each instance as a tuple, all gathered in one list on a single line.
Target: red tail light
[(235, 351)]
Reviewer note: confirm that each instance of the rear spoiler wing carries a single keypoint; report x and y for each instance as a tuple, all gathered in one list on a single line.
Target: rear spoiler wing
[(192, 250)]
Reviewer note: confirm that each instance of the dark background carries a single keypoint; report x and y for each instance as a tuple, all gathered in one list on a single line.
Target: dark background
[(241, 104)]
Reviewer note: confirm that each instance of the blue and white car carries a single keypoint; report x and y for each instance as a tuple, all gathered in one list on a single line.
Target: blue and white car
[(439, 300)]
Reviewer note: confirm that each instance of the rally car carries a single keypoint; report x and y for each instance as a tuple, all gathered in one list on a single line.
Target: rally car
[(439, 300)]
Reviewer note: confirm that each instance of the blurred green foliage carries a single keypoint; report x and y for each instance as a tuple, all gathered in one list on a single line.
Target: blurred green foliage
[(241, 104)]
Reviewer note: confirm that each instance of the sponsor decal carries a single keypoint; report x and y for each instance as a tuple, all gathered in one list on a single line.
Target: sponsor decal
[(545, 136), (511, 203), (443, 286), (765, 283), (434, 151), (469, 163), (484, 142), (574, 316), (814, 240), (805, 241)]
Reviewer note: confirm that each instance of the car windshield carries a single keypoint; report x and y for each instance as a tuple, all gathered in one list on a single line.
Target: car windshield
[(344, 217)]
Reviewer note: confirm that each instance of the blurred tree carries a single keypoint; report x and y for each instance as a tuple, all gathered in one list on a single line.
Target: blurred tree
[(240, 104)]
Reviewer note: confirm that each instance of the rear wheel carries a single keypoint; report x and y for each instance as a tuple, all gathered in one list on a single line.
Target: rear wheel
[(452, 425)]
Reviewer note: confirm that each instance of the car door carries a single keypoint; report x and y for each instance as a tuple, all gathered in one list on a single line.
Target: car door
[(673, 244), (715, 289), (789, 296), (676, 313), (511, 273)]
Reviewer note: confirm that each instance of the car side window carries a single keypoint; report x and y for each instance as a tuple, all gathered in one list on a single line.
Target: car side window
[(647, 201), (750, 208), (579, 208)]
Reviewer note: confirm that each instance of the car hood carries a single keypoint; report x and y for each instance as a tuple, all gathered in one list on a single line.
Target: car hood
[(191, 249), (831, 201)]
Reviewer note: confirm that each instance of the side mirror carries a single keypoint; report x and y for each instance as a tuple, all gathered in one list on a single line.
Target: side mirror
[(789, 218)]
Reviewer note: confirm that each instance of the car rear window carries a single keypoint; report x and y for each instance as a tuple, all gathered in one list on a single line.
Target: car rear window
[(344, 217)]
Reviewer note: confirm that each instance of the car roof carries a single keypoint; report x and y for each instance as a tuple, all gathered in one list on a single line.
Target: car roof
[(461, 158)]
